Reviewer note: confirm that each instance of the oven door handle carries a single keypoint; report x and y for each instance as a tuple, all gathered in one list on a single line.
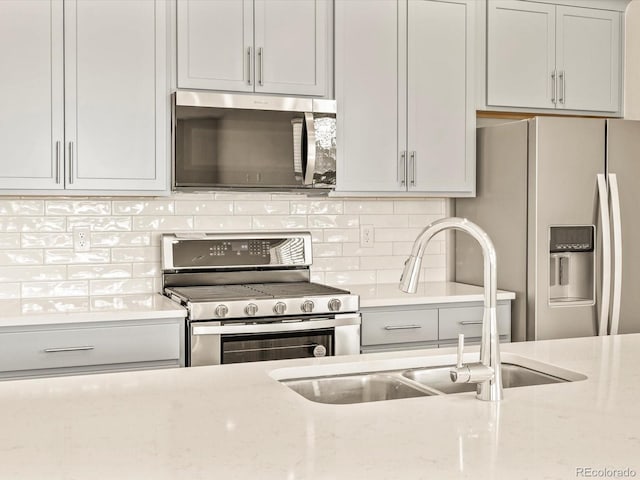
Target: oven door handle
[(202, 328)]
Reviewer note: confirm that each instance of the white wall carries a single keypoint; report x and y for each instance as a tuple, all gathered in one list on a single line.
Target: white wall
[(632, 62), (39, 266)]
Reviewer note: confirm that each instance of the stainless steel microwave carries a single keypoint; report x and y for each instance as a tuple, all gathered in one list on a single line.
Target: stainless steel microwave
[(235, 141)]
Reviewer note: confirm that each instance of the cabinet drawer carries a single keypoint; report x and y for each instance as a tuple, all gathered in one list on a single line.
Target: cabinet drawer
[(468, 320), (39, 349), (399, 326)]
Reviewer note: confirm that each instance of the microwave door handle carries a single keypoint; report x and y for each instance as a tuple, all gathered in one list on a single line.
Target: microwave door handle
[(309, 133)]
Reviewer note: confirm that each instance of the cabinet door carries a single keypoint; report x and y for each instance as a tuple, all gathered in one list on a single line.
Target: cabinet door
[(116, 94), (371, 95), (588, 51), (520, 54), (291, 46), (215, 44), (32, 119), (441, 115)]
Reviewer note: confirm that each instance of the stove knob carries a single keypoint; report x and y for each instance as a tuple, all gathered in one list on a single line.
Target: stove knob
[(335, 304), (320, 351), (279, 308), (307, 306), (251, 309), (222, 310)]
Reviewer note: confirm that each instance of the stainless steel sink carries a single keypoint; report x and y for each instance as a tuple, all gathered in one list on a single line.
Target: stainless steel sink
[(512, 376), (360, 388), (407, 378)]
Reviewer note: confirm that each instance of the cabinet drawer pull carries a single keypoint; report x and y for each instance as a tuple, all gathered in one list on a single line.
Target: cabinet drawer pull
[(249, 65), (470, 322), (261, 66), (561, 79), (554, 87), (68, 349), (402, 327), (402, 169)]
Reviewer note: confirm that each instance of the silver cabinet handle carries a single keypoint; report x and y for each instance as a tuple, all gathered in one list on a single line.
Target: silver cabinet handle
[(58, 162), (553, 87), (561, 79), (70, 162), (470, 322), (412, 177), (402, 327), (402, 168), (249, 65), (69, 349), (261, 66)]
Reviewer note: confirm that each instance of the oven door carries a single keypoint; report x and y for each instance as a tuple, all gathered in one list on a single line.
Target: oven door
[(215, 343)]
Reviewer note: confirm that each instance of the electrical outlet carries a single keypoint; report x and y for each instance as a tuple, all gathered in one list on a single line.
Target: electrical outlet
[(81, 239), (366, 235)]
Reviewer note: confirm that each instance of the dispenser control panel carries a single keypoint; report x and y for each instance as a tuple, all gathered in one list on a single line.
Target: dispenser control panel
[(572, 239)]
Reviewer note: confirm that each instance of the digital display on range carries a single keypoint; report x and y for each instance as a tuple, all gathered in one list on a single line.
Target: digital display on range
[(215, 253)]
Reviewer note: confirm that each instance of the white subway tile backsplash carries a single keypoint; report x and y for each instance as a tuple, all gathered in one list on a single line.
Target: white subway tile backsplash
[(135, 254), (333, 221), (21, 207), (210, 207), (47, 240), (120, 239), (144, 207), (111, 302), (100, 224), (369, 207), (24, 273), (77, 207), (280, 222), (163, 224), (317, 207), (55, 289), (9, 240), (219, 222), (32, 224), (90, 272), (63, 256), (247, 207), (342, 235), (21, 257), (9, 291), (41, 265), (120, 287), (56, 305)]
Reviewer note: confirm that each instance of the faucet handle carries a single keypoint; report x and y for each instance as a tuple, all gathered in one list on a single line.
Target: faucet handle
[(460, 363)]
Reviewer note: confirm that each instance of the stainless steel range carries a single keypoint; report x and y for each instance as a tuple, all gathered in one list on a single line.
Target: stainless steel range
[(250, 298)]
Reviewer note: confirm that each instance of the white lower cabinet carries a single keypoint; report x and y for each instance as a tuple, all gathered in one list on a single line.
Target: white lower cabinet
[(410, 327), (38, 351)]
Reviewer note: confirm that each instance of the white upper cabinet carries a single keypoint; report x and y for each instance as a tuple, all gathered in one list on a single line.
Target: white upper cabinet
[(404, 89), (86, 110), (544, 56), (116, 95), (32, 119), (521, 53), (588, 59), (267, 46), (215, 44)]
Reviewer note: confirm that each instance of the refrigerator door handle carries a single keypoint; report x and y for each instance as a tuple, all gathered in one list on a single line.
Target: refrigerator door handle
[(617, 253), (606, 254)]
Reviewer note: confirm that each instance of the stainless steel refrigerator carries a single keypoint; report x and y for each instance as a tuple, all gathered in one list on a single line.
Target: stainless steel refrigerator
[(560, 198)]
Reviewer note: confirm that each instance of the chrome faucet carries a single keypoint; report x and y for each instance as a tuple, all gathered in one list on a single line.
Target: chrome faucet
[(486, 374)]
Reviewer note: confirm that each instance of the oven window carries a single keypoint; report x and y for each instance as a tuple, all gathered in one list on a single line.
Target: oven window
[(277, 346)]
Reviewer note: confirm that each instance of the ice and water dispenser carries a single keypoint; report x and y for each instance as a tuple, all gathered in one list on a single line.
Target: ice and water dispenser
[(572, 265)]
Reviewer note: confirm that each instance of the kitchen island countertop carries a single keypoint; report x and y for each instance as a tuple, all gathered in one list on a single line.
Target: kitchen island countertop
[(237, 421)]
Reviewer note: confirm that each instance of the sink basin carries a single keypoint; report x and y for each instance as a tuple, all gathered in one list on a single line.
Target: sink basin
[(345, 383), (365, 387), (512, 376)]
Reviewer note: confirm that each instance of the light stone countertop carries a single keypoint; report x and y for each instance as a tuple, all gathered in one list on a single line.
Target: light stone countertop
[(238, 422), (383, 295), (26, 312)]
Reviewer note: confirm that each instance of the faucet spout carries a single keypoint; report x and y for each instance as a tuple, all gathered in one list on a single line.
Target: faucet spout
[(489, 375)]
